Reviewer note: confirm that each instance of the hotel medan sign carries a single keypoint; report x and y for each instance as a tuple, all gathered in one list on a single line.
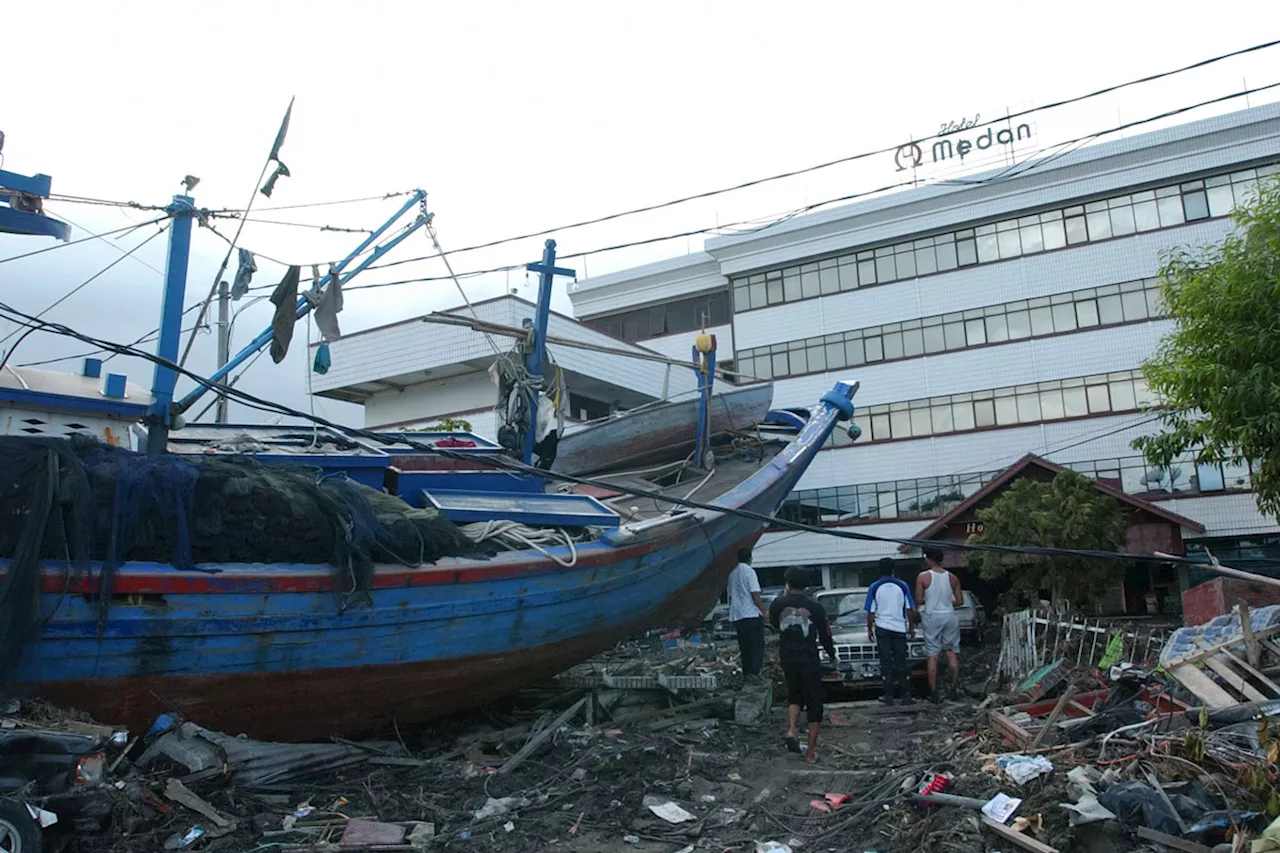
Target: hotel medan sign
[(949, 147)]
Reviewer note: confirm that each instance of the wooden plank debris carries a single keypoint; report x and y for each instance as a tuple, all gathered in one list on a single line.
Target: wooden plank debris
[(1146, 833), (1256, 673), (1234, 680), (1015, 733), (541, 737), (1204, 688), (1026, 842), (183, 795), (1067, 696)]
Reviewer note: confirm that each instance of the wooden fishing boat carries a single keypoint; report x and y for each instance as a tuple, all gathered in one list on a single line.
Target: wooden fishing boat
[(639, 437), (276, 651)]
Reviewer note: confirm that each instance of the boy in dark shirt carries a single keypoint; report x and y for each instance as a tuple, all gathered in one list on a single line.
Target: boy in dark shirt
[(801, 623)]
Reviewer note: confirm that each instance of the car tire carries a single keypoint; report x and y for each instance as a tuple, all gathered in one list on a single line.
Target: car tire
[(19, 832)]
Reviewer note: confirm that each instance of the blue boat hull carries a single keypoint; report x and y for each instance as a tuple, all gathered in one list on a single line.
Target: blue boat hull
[(279, 651)]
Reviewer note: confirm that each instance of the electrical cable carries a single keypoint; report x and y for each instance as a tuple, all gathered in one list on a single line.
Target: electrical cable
[(108, 242), (851, 158), (316, 203), (1024, 167), (515, 466), (82, 240), (89, 281)]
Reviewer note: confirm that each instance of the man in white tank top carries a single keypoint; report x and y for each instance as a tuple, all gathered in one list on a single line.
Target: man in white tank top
[(938, 595)]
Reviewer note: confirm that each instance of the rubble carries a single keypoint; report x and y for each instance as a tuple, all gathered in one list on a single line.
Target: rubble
[(661, 745)]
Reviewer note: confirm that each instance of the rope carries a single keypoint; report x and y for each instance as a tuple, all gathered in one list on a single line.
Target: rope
[(519, 537)]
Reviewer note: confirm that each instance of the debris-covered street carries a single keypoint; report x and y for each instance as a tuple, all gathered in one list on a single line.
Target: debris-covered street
[(661, 745)]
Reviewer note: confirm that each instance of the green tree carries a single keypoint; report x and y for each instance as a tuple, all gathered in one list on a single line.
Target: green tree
[(1067, 512), (1217, 374), (445, 425)]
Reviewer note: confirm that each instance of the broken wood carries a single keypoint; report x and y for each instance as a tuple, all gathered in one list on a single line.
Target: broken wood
[(1204, 688), (184, 796), (1234, 680), (1155, 783), (645, 716), (1149, 834), (1256, 673), (393, 761), (1066, 697), (541, 737), (1026, 842), (1009, 729)]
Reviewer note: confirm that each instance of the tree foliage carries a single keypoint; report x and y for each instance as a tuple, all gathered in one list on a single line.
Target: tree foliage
[(1217, 374), (1067, 512), (445, 425)]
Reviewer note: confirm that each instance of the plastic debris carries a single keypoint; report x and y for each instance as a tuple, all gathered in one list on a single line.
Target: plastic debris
[(420, 833), (372, 833), (772, 847), (837, 800), (178, 841), (509, 826), (1023, 768), (1001, 807), (495, 807), (820, 806), (631, 839), (668, 811)]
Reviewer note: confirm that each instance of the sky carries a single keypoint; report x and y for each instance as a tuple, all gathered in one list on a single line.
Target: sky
[(517, 117)]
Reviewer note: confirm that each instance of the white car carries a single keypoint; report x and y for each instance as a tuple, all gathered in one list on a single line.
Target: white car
[(857, 659)]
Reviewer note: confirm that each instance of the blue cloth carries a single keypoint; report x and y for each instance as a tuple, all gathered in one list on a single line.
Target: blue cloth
[(322, 362)]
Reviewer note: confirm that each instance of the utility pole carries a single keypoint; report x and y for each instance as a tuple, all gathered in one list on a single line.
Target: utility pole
[(175, 290), (224, 342), (547, 270)]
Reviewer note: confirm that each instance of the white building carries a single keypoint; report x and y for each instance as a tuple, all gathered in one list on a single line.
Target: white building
[(985, 321), (413, 373)]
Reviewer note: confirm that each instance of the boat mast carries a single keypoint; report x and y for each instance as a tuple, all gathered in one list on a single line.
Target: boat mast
[(165, 378), (534, 362)]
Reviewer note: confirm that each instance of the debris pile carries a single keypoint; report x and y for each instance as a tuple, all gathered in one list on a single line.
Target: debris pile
[(662, 747)]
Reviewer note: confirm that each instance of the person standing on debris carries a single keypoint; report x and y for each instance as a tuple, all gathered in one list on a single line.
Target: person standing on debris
[(801, 622), (747, 613), (891, 619), (938, 592)]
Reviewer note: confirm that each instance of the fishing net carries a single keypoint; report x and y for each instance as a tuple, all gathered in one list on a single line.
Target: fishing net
[(76, 499)]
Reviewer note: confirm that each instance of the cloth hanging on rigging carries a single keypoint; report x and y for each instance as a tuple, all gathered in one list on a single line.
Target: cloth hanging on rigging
[(328, 305), (517, 409), (282, 171), (323, 361), (244, 274), (285, 298)]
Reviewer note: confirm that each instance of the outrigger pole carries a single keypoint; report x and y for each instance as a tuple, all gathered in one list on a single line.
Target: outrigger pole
[(417, 198)]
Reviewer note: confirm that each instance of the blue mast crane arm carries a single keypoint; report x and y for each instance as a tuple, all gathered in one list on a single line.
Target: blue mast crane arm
[(31, 222), (304, 304)]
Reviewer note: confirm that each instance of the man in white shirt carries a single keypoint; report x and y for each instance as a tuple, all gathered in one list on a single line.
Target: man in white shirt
[(891, 620), (938, 592), (747, 613)]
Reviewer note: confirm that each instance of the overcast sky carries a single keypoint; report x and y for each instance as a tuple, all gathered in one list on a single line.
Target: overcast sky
[(521, 116)]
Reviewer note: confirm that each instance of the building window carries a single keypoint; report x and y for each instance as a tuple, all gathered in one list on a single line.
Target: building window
[(680, 315), (1120, 216), (931, 497), (1028, 318), (1060, 399)]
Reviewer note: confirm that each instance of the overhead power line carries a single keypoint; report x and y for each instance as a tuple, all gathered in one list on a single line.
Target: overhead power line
[(841, 160), (755, 225), (81, 240)]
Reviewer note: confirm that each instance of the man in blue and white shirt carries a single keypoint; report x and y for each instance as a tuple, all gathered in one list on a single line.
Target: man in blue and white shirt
[(891, 619)]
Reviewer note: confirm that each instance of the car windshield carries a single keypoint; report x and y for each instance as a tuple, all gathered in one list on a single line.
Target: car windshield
[(848, 608)]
